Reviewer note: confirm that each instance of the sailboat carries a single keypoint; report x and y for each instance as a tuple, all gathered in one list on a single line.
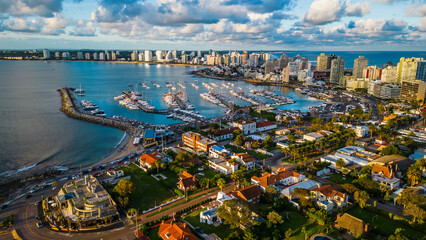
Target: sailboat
[(79, 90)]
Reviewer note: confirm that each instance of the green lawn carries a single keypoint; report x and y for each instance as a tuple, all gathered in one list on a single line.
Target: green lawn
[(384, 224), (221, 231), (149, 191), (253, 153), (339, 178), (153, 234)]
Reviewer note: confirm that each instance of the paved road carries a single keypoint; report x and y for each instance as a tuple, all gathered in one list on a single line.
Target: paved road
[(144, 218)]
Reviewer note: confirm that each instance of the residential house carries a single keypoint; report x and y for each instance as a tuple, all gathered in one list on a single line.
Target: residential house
[(327, 197), (385, 174), (350, 155), (223, 166), (282, 131), (175, 231), (249, 194), (218, 152), (354, 225), (210, 216), (224, 134), (265, 126), (308, 184), (280, 177), (187, 182), (245, 159), (246, 127), (313, 136), (419, 153), (147, 160), (197, 142), (401, 163)]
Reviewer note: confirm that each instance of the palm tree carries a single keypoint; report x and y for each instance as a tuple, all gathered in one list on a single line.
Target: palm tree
[(414, 174), (221, 183), (372, 128), (361, 197), (157, 164)]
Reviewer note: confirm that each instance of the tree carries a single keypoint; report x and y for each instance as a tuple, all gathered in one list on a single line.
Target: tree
[(274, 218), (255, 144), (288, 233), (390, 150), (414, 204), (349, 188), (414, 174), (398, 235), (54, 183), (270, 193), (239, 140), (267, 142), (235, 213), (182, 157), (361, 197), (221, 183), (157, 164), (204, 183), (340, 163), (124, 188)]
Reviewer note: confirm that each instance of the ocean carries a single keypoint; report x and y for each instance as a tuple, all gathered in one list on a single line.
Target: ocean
[(36, 134)]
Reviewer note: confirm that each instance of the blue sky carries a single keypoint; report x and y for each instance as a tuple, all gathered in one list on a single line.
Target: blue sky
[(209, 24)]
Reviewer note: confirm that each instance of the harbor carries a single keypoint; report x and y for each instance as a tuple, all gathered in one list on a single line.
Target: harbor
[(278, 99), (247, 98)]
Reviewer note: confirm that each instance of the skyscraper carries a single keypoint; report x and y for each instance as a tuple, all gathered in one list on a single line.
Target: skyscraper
[(133, 56), (359, 65), (148, 55), (80, 56), (322, 63), (330, 58), (102, 56), (389, 74), (269, 66), (285, 75), (95, 56), (372, 73), (337, 70), (159, 55), (46, 54), (407, 68), (87, 56), (413, 90), (283, 61), (113, 56), (421, 71)]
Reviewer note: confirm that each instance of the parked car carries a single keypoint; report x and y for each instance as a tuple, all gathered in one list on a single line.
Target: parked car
[(39, 224), (28, 196)]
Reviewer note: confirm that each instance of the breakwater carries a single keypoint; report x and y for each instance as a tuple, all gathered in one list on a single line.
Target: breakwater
[(73, 110)]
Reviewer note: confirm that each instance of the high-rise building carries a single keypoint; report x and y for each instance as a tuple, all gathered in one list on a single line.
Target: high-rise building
[(102, 56), (134, 56), (413, 90), (372, 73), (322, 63), (174, 54), (359, 65), (421, 71), (330, 58), (79, 55), (46, 54), (57, 54), (185, 58), (245, 57), (266, 56), (66, 55), (337, 71), (95, 56), (390, 74), (283, 61), (210, 60), (107, 56), (253, 60), (285, 75), (113, 56), (199, 53), (407, 68), (159, 55), (87, 56), (148, 56), (269, 66)]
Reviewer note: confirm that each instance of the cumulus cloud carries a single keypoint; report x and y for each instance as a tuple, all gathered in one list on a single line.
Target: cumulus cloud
[(416, 10), (358, 9), (422, 25), (43, 8), (323, 12), (48, 26), (84, 29)]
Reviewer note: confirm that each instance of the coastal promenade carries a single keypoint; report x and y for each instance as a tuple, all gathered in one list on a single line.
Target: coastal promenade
[(72, 109)]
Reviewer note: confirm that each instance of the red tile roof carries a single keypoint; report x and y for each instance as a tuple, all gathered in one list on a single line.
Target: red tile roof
[(176, 231), (385, 169), (248, 193), (264, 124), (150, 158), (268, 179), (328, 191)]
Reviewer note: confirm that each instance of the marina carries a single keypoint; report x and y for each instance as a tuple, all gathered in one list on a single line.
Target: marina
[(278, 99), (247, 98)]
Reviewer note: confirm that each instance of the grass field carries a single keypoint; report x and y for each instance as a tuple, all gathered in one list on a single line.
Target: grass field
[(253, 153), (384, 224), (149, 191), (221, 231), (339, 178)]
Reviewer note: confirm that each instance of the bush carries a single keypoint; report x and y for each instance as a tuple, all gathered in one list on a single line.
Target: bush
[(178, 192)]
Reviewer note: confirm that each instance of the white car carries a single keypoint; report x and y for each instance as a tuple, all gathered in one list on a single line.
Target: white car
[(39, 224)]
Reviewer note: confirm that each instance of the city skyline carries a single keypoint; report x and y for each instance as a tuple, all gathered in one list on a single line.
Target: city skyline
[(268, 25)]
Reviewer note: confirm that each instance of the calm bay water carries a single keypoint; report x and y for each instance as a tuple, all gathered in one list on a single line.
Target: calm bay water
[(34, 131)]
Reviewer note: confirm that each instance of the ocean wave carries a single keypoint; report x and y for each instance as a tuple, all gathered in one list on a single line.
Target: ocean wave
[(13, 172), (122, 139)]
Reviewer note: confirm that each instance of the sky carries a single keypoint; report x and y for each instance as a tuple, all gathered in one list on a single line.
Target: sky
[(341, 25)]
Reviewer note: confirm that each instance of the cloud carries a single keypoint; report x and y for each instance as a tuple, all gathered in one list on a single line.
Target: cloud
[(84, 29), (47, 26), (358, 9), (323, 12), (422, 25), (19, 8), (416, 10)]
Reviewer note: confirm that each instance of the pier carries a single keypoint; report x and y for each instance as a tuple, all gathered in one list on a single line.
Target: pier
[(223, 100), (128, 95), (178, 101), (72, 109)]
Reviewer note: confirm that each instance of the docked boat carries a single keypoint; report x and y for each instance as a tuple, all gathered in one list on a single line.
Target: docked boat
[(79, 90)]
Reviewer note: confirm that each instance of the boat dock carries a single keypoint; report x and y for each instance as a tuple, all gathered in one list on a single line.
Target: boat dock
[(72, 109), (178, 101), (224, 100), (247, 98), (278, 99), (128, 96)]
